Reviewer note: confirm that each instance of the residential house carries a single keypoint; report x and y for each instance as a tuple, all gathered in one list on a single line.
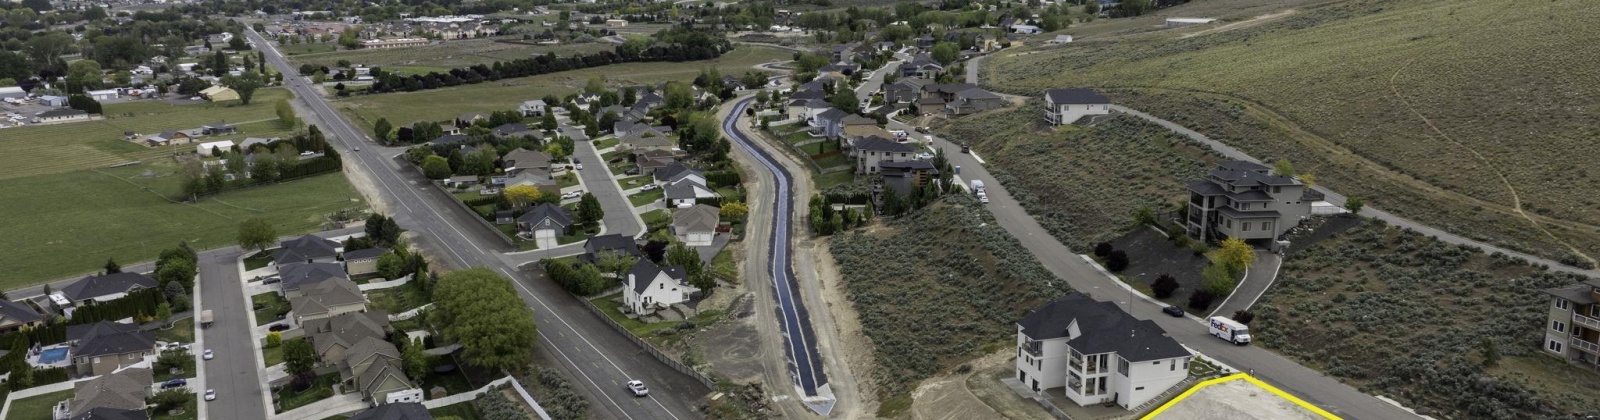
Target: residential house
[(1066, 106), (295, 277), (905, 90), (105, 288), (839, 69), (333, 336), (923, 66), (50, 100), (696, 225), (470, 118), (843, 52), (60, 115), (647, 139), (114, 395), (685, 191), (16, 316), (167, 138), (327, 298), (449, 139), (533, 108), (734, 83), (362, 261), (651, 160), (537, 178), (395, 411), (814, 109), (650, 287), (1026, 29), (218, 128), (904, 176), (520, 160), (973, 101), (307, 249), (929, 105), (831, 122), (1096, 353), (1245, 200), (985, 43), (461, 181), (210, 149), (513, 130), (626, 127), (373, 368), (872, 151), (945, 91), (1573, 331), (612, 243), (545, 223), (103, 347), (809, 93)]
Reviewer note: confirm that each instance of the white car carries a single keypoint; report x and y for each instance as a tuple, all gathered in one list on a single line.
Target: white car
[(207, 355), (211, 394), (925, 156), (571, 195), (648, 187), (638, 388)]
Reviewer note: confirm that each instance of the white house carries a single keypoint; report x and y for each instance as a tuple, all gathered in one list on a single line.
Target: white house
[(60, 115), (1096, 353), (651, 287), (686, 191), (1065, 106), (533, 108), (204, 149), (103, 94)]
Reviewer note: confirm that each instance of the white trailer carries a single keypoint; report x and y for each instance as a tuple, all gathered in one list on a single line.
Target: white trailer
[(1229, 330), (977, 186)]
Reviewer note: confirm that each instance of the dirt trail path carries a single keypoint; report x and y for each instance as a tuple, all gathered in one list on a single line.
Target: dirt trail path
[(1242, 24)]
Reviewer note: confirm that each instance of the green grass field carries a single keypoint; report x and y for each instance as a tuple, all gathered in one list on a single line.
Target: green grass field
[(68, 223), (305, 48), (446, 55), (36, 407), (57, 148), (1468, 115), (442, 104), (646, 197)]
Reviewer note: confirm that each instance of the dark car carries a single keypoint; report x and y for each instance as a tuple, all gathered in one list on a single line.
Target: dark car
[(278, 327), (966, 149), (174, 383), (631, 171), (271, 280), (1173, 310)]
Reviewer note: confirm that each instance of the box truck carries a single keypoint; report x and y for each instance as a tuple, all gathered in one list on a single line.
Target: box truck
[(1229, 330), (205, 318)]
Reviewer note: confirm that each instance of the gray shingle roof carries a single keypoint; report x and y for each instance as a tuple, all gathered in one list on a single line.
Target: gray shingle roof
[(346, 330), (524, 158), (323, 297), (78, 332), (296, 276), (699, 218), (681, 189), (108, 413), (1103, 328), (667, 173), (305, 248), (18, 312), (832, 114), (112, 394), (1577, 293), (1076, 96), (1203, 187), (96, 286), (547, 216), (645, 273), (612, 242), (363, 254), (101, 342), (880, 144)]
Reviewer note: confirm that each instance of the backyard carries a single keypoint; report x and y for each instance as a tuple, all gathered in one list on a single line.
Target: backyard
[(69, 223), (398, 299), (269, 307), (646, 197), (36, 407), (661, 334), (288, 399), (181, 331)]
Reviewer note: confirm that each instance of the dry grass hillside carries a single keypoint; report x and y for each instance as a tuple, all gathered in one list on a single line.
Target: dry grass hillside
[(1475, 116)]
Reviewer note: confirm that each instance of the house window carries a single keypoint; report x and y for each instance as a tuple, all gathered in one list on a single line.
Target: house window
[(1139, 389), (1554, 346), (1559, 326), (1229, 222), (1122, 366), (1266, 226), (1276, 190), (1561, 304), (1172, 366), (1245, 227)]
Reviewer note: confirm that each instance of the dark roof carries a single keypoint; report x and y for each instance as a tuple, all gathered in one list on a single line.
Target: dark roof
[(362, 254), (666, 173), (1243, 173), (645, 272), (1577, 293), (1311, 196), (305, 248), (108, 413), (546, 214), (511, 128), (907, 165), (300, 275), (880, 144), (1230, 213), (613, 242), (1240, 165), (394, 411), (832, 114), (807, 94), (108, 341), (451, 138), (1205, 188), (681, 190), (18, 312), (78, 332), (854, 119), (96, 286), (1076, 96), (1103, 327), (1252, 195)]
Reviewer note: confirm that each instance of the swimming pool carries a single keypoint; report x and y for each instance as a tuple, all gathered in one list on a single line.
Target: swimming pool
[(49, 356)]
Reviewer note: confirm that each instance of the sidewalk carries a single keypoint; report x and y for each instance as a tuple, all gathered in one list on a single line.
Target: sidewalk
[(339, 404)]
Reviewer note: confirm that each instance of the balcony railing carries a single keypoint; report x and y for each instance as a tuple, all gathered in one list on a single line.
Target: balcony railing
[(1589, 322), (1075, 364), (1586, 346), (1032, 347)]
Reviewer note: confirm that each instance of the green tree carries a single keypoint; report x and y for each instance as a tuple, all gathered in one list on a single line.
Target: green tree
[(381, 130), (164, 312), (111, 267), (616, 264), (945, 53), (1216, 280), (845, 100), (245, 84), (83, 75), (436, 167), (257, 234), (694, 269), (1145, 216), (1235, 255), (1491, 353), (298, 356), (589, 211), (416, 362), (1354, 204), (274, 339), (479, 309), (286, 116), (171, 399), (1283, 168), (391, 266)]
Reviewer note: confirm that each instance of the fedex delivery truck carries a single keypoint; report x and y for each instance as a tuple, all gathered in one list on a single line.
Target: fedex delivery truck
[(1230, 330)]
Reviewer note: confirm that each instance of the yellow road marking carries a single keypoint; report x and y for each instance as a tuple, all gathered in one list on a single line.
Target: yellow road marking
[(1234, 377)]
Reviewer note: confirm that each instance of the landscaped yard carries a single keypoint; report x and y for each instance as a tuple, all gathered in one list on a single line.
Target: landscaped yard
[(461, 410), (828, 180), (567, 180), (191, 411), (506, 94), (655, 220), (634, 181), (289, 400), (36, 407), (181, 331), (646, 197), (398, 299), (272, 355), (188, 369), (66, 224), (603, 144), (652, 332), (269, 306), (257, 260)]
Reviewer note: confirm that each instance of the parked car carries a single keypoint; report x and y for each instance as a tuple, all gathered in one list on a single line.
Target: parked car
[(271, 280), (207, 355), (631, 171), (922, 130), (571, 195), (211, 395), (638, 388), (488, 191), (966, 149), (577, 164), (308, 153), (175, 383), (1173, 310), (278, 327), (925, 156), (648, 187)]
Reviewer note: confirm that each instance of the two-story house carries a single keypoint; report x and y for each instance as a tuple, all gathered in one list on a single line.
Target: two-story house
[(1066, 106), (372, 368), (1096, 353), (331, 337), (870, 151), (650, 287), (1245, 200), (1573, 332)]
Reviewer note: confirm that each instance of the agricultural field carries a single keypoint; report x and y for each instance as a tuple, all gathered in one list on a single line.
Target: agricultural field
[(58, 148), (1396, 313), (68, 223), (447, 55), (1467, 115), (403, 108), (1084, 184), (937, 287)]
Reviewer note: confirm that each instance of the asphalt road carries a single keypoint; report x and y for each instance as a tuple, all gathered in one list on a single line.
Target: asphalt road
[(597, 180), (233, 373), (795, 322), (598, 359)]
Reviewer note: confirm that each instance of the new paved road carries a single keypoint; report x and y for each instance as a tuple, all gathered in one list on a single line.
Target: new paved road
[(233, 373), (598, 359)]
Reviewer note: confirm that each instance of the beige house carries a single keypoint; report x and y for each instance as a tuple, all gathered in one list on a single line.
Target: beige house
[(18, 316), (104, 347), (121, 392), (697, 225), (870, 151), (363, 261), (334, 336), (1573, 331), (1244, 200), (327, 299), (373, 369)]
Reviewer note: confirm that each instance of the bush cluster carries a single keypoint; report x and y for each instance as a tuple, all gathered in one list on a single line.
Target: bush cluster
[(555, 394)]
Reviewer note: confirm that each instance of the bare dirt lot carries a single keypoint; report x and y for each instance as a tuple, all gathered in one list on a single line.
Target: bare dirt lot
[(977, 394), (1237, 399)]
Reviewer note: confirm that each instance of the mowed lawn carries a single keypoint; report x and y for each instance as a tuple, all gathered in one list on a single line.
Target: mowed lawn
[(36, 407), (66, 224), (56, 148), (443, 104)]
